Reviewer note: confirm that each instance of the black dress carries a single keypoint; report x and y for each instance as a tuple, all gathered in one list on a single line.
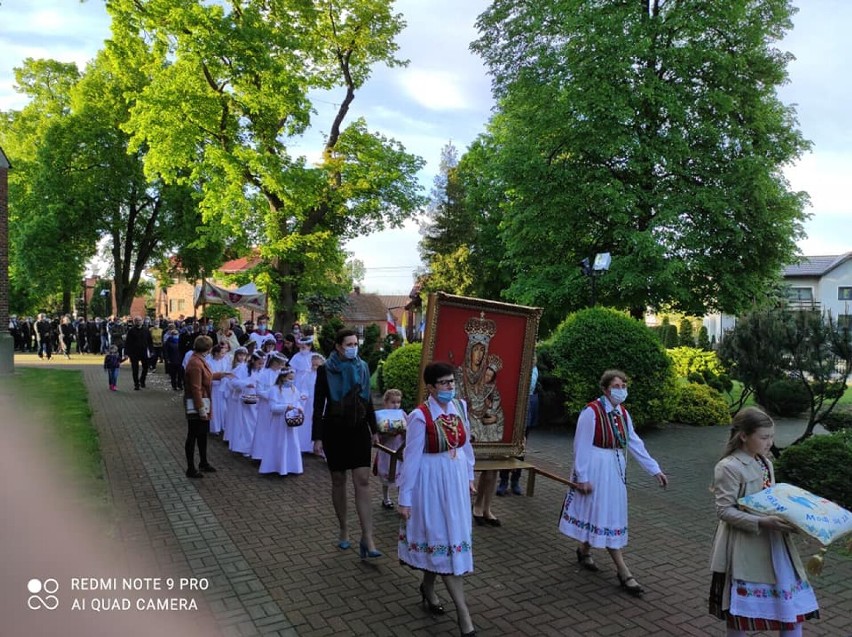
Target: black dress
[(346, 447)]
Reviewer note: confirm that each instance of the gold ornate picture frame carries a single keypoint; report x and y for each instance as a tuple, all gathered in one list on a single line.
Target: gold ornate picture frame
[(491, 345)]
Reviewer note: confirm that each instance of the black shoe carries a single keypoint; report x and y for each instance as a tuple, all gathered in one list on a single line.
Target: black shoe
[(492, 521), (435, 609), (634, 589), (479, 519), (142, 385), (192, 473), (586, 561), (207, 468), (136, 388)]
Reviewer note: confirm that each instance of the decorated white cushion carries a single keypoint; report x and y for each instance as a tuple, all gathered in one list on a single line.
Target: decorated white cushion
[(822, 519), (390, 421)]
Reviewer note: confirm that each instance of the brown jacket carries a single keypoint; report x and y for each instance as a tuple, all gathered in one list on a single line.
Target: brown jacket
[(198, 382), (740, 548)]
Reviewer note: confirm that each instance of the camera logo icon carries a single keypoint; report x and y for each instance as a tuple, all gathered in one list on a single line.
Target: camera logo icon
[(42, 594)]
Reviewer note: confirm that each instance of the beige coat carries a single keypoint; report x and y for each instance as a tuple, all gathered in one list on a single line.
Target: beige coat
[(740, 548)]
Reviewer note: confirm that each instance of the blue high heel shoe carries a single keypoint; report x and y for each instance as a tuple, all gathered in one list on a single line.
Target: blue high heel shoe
[(344, 545), (366, 553)]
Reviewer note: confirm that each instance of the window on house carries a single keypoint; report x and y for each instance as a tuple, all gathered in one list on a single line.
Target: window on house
[(802, 295), (844, 294)]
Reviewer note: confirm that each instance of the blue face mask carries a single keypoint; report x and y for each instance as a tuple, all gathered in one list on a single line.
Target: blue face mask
[(617, 395), (350, 352), (445, 395), (261, 327)]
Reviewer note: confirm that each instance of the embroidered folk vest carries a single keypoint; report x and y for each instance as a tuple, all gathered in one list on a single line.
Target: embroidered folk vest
[(446, 434), (610, 429)]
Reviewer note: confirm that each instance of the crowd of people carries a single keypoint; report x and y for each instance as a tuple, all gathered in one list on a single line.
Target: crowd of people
[(273, 398)]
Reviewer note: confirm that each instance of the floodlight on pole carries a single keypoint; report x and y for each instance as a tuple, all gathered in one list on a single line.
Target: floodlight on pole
[(593, 268)]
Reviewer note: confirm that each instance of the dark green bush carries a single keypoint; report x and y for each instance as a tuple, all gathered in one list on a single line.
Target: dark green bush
[(700, 405), (786, 398), (696, 377), (596, 339), (839, 418), (822, 465), (401, 371)]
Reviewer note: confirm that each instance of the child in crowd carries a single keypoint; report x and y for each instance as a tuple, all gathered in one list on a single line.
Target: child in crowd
[(391, 425), (759, 582), (112, 361)]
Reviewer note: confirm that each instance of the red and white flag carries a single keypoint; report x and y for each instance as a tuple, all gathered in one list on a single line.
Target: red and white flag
[(391, 323)]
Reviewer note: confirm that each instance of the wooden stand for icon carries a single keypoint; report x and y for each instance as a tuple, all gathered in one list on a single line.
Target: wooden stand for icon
[(491, 464)]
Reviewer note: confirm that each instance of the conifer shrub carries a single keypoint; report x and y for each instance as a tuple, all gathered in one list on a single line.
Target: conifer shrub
[(401, 370), (593, 340), (820, 464), (787, 398)]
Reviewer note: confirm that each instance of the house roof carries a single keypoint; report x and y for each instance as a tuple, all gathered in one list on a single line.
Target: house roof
[(394, 301), (239, 265), (815, 266), (365, 308), (4, 161)]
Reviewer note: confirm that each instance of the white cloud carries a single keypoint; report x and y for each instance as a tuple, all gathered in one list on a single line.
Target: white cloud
[(435, 90)]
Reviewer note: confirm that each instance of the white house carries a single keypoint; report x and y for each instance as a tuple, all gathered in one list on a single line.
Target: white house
[(823, 283)]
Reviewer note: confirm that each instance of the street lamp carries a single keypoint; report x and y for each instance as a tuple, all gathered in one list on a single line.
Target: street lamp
[(593, 269), (105, 297)]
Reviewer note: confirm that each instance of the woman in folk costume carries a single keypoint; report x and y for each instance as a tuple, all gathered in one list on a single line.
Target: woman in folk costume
[(758, 579), (219, 361), (306, 377), (238, 362), (435, 535), (243, 386), (263, 430), (595, 510), (286, 415)]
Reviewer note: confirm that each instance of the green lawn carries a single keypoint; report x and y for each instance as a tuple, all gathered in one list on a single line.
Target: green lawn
[(58, 398)]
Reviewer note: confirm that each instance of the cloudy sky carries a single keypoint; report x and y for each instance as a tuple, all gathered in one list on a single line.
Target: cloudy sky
[(443, 95)]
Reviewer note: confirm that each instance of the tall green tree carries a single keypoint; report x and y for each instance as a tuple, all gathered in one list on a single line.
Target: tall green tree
[(650, 130), (83, 185), (44, 257), (230, 96), (461, 238)]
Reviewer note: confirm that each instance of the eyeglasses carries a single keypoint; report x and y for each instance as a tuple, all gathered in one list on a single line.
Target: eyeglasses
[(446, 382)]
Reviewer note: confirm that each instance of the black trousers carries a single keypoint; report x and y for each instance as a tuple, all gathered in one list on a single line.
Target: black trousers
[(196, 433), (134, 367)]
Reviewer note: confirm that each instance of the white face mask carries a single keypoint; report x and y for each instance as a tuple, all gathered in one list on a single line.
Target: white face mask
[(617, 395)]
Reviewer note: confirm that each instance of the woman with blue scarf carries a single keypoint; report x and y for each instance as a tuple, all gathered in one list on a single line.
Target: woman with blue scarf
[(344, 430)]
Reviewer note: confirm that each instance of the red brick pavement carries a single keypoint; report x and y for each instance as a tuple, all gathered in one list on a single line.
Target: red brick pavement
[(268, 544)]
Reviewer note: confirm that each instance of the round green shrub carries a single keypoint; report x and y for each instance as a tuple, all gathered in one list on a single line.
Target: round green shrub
[(822, 465), (839, 418), (700, 405), (593, 340), (786, 398), (401, 371), (689, 360)]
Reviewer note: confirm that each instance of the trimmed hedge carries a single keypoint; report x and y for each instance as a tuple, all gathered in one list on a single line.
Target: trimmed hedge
[(840, 418), (691, 360), (787, 398), (401, 371), (822, 465), (701, 405), (593, 340)]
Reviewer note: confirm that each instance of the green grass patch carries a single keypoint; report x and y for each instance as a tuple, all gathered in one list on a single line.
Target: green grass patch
[(59, 399)]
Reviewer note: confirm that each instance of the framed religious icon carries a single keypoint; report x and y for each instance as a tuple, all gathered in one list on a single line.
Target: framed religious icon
[(491, 346)]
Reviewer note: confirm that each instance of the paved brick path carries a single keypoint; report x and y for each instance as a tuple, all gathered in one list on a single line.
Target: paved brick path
[(268, 544)]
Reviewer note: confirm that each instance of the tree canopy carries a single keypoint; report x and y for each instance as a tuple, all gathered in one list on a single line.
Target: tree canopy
[(229, 98), (649, 130)]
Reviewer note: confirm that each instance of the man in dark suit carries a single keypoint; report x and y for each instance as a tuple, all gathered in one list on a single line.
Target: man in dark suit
[(138, 346)]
